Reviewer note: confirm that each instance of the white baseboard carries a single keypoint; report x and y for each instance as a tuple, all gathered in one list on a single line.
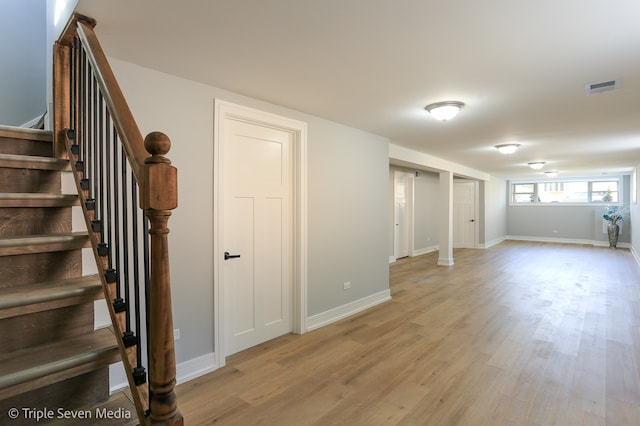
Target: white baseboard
[(29, 124), (392, 259), (445, 261), (565, 241), (185, 371), (492, 243), (635, 254), (425, 250), (344, 311), (196, 367)]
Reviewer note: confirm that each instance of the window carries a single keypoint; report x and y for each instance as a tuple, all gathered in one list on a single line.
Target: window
[(567, 192)]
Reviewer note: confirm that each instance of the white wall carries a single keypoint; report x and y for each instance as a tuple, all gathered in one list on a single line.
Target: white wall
[(347, 200), (23, 71)]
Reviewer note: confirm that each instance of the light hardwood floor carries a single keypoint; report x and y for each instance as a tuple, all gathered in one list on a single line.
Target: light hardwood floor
[(518, 334)]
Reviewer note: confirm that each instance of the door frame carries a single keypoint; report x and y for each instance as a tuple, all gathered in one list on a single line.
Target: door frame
[(476, 209), (409, 211), (298, 130)]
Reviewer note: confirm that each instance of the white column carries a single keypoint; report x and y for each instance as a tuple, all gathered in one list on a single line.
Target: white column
[(445, 257)]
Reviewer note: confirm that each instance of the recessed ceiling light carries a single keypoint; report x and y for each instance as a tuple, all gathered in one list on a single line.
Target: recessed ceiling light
[(537, 165), (444, 111), (508, 148), (551, 173)]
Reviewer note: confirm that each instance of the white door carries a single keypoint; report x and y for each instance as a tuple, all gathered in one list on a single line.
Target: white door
[(402, 193), (464, 215), (257, 233)]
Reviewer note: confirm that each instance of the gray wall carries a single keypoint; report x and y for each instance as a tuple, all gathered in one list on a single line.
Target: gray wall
[(564, 222), (23, 38), (426, 214), (635, 217), (347, 200), (493, 211)]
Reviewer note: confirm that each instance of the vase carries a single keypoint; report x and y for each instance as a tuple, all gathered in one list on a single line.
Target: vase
[(613, 230)]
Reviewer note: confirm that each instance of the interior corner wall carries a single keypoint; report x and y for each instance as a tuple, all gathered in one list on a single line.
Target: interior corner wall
[(634, 209), (24, 65), (493, 211), (347, 175)]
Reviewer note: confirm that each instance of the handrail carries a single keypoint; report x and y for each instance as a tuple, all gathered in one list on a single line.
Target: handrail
[(123, 120), (112, 165)]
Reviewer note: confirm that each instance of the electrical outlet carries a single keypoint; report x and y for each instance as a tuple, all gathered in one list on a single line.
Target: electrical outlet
[(176, 334), (347, 285)]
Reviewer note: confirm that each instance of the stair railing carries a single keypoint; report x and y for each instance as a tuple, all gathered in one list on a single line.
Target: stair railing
[(128, 188)]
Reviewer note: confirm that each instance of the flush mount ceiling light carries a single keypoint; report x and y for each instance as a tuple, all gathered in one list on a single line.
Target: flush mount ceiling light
[(508, 148), (551, 174), (444, 111), (537, 165)]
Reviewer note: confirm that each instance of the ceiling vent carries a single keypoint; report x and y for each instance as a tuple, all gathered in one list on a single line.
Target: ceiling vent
[(605, 86)]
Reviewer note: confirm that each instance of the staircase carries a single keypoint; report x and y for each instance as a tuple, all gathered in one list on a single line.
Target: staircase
[(50, 355)]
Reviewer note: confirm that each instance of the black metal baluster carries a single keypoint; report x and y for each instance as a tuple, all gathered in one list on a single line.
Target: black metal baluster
[(110, 191), (125, 268), (120, 303), (72, 84)]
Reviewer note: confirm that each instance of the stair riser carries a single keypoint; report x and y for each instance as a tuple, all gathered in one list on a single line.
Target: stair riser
[(29, 180), (25, 147), (45, 327), (87, 389), (16, 222), (39, 267)]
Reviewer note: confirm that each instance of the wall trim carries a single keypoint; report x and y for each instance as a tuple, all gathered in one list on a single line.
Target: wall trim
[(185, 371), (635, 254), (565, 241), (196, 367), (445, 261), (344, 311), (425, 250), (492, 243), (392, 259)]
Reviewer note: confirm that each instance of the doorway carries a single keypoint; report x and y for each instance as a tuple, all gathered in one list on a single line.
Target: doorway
[(465, 213), (402, 214), (259, 228)]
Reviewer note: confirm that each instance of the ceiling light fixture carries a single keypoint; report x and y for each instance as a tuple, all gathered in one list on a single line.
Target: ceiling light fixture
[(537, 165), (444, 111), (551, 173), (508, 148)]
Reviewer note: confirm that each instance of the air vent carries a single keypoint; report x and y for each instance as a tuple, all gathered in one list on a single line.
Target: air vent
[(605, 86)]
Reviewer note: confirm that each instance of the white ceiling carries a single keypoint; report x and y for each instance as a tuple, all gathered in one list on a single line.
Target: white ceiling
[(520, 68)]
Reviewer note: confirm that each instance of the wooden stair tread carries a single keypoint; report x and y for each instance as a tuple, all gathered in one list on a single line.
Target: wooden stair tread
[(56, 361), (39, 295), (25, 133), (16, 161), (44, 243), (28, 199)]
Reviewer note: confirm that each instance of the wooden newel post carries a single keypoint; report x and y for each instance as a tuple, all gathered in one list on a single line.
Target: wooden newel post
[(160, 196)]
